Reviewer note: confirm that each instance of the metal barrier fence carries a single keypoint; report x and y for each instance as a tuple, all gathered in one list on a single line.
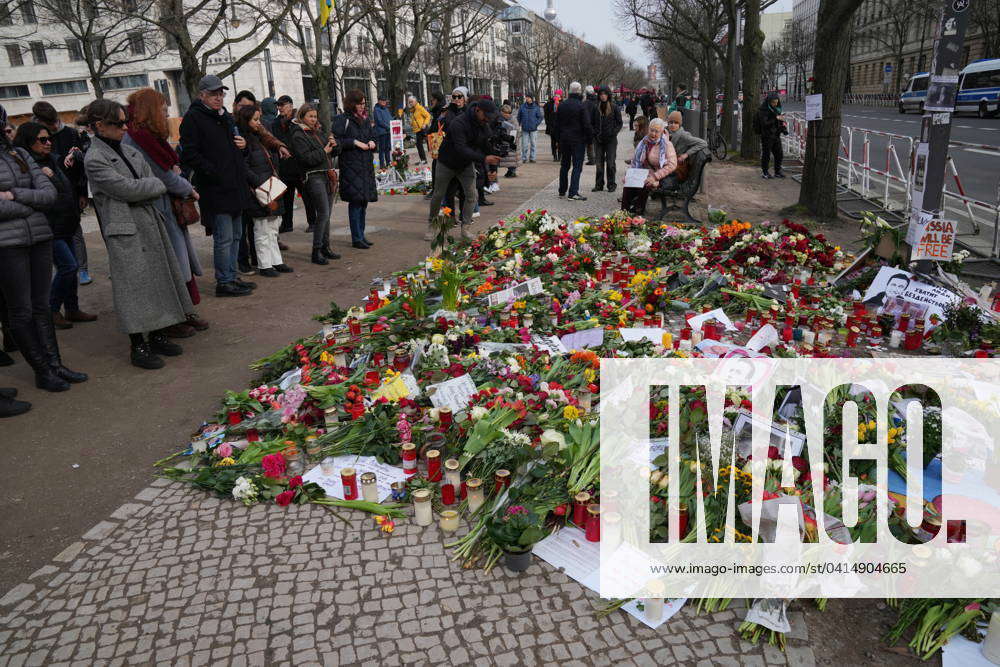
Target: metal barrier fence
[(883, 175), (873, 100)]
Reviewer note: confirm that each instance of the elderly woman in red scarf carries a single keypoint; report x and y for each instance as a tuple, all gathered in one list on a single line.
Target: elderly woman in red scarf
[(656, 155), (147, 132)]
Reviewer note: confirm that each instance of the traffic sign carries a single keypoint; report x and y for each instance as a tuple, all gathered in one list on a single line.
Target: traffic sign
[(888, 68)]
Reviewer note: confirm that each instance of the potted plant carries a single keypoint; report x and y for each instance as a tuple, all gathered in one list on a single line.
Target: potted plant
[(516, 530)]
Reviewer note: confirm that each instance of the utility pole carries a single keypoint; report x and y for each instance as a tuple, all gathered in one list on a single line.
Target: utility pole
[(935, 130)]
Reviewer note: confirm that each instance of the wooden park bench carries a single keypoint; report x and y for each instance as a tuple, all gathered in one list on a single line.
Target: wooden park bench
[(679, 195)]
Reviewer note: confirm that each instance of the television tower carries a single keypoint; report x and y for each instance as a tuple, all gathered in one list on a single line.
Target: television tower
[(550, 11)]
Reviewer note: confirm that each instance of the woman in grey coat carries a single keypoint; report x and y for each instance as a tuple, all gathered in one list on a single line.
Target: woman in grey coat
[(147, 133), (26, 266), (146, 279)]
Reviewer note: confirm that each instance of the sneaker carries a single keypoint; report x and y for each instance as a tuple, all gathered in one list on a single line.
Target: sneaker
[(283, 268), (231, 289), (577, 197), (611, 188), (85, 278), (561, 195), (268, 272), (597, 188), (143, 357), (486, 202), (765, 175), (158, 344), (475, 214)]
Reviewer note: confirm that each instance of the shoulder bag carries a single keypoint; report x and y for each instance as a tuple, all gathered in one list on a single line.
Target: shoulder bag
[(185, 211), (269, 192), (434, 140)]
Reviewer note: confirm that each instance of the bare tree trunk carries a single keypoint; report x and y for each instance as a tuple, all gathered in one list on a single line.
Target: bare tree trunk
[(752, 61), (707, 69), (191, 72), (730, 89), (833, 42)]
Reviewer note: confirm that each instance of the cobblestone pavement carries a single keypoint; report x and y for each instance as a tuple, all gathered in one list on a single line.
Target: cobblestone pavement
[(179, 577)]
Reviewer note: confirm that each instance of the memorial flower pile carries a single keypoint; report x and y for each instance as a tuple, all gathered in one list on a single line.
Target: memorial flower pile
[(477, 375)]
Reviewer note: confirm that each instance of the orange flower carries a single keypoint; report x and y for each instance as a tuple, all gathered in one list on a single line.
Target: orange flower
[(588, 357), (446, 210)]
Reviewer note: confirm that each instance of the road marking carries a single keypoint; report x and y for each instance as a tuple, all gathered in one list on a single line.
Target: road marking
[(983, 152)]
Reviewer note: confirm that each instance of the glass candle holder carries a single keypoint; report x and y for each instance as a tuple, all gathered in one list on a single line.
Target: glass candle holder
[(448, 521), (445, 416), (808, 337), (501, 480), (349, 478), (398, 491), (433, 465), (328, 465), (409, 455), (593, 532), (313, 448), (613, 529), (369, 487), (452, 475), (447, 494), (474, 493), (586, 400), (581, 500), (667, 340), (423, 514)]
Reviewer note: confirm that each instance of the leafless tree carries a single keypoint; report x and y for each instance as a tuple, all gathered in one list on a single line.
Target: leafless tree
[(889, 24), (986, 17), (800, 43), (535, 57), (463, 30)]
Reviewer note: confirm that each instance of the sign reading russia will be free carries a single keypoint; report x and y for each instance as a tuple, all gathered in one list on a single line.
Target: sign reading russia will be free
[(935, 239)]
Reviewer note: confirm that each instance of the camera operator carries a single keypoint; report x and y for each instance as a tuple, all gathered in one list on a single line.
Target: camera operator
[(466, 144)]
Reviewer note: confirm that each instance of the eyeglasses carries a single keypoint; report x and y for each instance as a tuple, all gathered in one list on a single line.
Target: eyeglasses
[(117, 123), (44, 140), (673, 122), (458, 97)]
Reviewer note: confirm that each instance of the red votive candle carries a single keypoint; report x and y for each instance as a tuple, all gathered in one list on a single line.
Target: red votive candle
[(501, 480), (447, 494), (593, 532), (409, 459), (349, 478), (434, 465), (234, 417), (581, 500)]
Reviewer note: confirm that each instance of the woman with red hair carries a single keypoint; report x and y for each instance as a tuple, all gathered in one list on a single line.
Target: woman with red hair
[(148, 132)]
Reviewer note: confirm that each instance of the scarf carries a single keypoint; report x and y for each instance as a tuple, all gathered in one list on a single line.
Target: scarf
[(155, 147), (639, 159)]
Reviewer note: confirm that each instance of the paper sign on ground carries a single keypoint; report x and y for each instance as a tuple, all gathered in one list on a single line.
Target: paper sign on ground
[(895, 292), (581, 340), (636, 178), (915, 229), (454, 393), (718, 314), (518, 291), (935, 241), (765, 336), (385, 475), (487, 348), (393, 390), (814, 107), (550, 344), (652, 334), (568, 549), (411, 383)]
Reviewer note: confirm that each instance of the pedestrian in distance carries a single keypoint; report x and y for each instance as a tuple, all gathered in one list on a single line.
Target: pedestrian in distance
[(148, 133), (631, 107), (355, 135), (529, 117), (383, 129), (64, 219), (590, 103), (26, 266), (769, 123), (261, 169), (289, 170), (211, 147), (552, 123), (315, 149), (575, 132), (507, 122), (146, 280), (420, 122), (606, 120)]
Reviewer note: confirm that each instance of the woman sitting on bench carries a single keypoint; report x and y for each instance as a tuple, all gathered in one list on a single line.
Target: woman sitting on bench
[(656, 154)]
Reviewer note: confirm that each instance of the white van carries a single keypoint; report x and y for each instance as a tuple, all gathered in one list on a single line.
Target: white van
[(915, 94), (979, 88)]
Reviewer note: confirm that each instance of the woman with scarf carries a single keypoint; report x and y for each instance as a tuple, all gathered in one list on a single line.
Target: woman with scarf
[(656, 155), (315, 151), (147, 133), (64, 219), (355, 134), (769, 123), (146, 278), (26, 270)]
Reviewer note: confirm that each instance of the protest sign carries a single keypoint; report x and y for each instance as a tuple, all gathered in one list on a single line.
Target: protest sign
[(895, 292), (934, 239)]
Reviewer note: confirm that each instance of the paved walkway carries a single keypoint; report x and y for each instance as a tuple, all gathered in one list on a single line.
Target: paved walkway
[(177, 577)]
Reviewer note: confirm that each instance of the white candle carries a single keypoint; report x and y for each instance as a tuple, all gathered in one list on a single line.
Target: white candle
[(653, 609), (808, 337), (369, 487), (474, 494), (422, 507), (449, 521), (696, 337), (452, 475), (895, 338), (825, 337)]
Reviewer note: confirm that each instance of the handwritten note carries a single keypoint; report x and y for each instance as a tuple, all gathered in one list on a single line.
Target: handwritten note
[(580, 340), (488, 348), (765, 336), (636, 178), (454, 393), (385, 475), (518, 291), (654, 334), (550, 344), (718, 314)]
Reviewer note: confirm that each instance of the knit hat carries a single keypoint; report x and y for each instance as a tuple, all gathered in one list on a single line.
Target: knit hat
[(461, 90)]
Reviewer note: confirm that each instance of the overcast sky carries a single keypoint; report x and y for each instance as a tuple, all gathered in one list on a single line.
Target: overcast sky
[(595, 19)]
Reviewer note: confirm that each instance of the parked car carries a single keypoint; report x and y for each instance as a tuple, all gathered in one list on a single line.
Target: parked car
[(915, 94), (979, 88)]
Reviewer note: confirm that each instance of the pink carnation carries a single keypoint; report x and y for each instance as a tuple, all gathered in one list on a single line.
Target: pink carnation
[(225, 450)]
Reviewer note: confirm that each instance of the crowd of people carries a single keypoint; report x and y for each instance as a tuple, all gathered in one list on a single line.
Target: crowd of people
[(237, 170)]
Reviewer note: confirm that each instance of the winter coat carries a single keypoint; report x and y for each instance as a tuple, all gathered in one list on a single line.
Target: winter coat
[(685, 142), (530, 117), (261, 165), (382, 121), (436, 112), (307, 150), (631, 107), (606, 127), (573, 121), (419, 117), (289, 170), (208, 149), (64, 215), (22, 221), (146, 279), (268, 111), (64, 140), (180, 237), (551, 125), (766, 122), (357, 171), (466, 141)]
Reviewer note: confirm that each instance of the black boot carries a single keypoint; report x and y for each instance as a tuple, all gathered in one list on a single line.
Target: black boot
[(329, 254), (142, 356), (11, 407), (31, 348), (318, 258), (47, 335), (159, 344)]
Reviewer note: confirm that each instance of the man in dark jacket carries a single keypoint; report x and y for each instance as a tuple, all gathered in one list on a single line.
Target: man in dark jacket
[(606, 120), (590, 103), (770, 124), (575, 132), (466, 144), (631, 108), (212, 148), (383, 118), (289, 171), (529, 117), (551, 124), (71, 145)]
